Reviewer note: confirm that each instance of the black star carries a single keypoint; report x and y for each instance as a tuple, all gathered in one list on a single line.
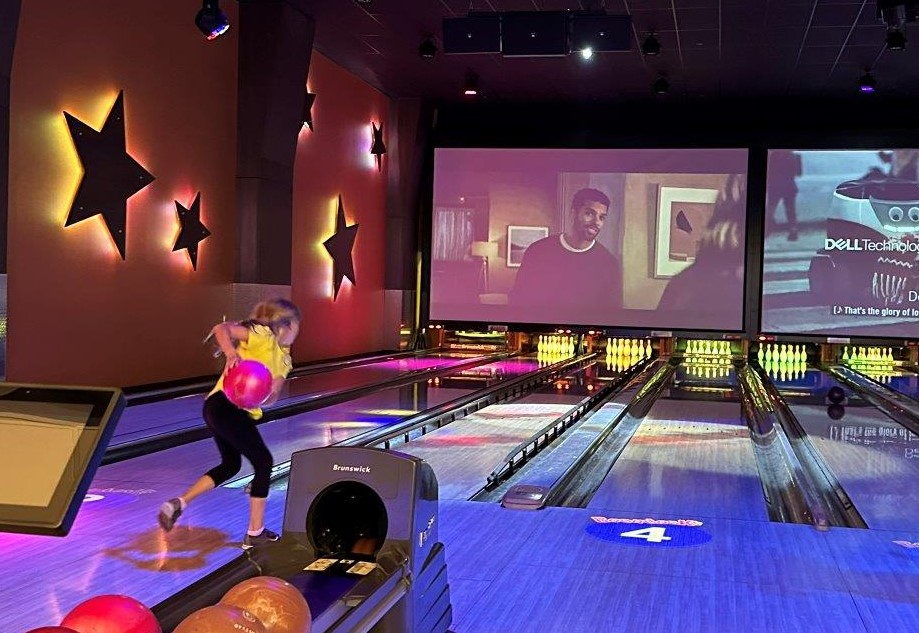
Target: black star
[(110, 175), (378, 148), (339, 247), (308, 100), (192, 231)]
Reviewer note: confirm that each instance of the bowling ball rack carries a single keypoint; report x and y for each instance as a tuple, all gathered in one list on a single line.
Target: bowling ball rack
[(359, 542)]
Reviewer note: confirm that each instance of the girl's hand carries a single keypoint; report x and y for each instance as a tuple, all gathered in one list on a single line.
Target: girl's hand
[(232, 359)]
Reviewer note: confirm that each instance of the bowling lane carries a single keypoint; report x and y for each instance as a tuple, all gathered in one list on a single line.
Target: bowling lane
[(148, 420), (116, 545), (325, 425), (902, 381), (466, 451), (875, 459), (691, 456)]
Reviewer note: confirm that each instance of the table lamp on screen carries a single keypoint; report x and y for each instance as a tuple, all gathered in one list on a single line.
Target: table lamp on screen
[(484, 251)]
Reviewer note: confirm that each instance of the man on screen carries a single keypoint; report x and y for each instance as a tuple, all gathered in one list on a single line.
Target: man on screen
[(570, 276)]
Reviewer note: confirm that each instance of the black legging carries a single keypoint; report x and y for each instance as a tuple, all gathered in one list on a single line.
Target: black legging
[(236, 435)]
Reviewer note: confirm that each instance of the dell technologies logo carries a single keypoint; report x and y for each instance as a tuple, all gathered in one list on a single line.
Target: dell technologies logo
[(841, 245), (852, 244)]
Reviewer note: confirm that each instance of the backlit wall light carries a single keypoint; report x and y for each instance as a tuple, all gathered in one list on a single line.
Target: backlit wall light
[(339, 247), (377, 146), (191, 230), (308, 99), (110, 174)]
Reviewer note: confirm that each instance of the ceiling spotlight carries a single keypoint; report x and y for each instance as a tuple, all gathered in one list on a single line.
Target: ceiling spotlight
[(867, 83), (427, 49), (587, 53), (661, 86), (471, 85), (896, 41), (211, 20), (651, 46)]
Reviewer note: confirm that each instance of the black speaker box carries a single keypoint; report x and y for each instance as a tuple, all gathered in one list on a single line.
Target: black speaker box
[(476, 33), (601, 33), (534, 33)]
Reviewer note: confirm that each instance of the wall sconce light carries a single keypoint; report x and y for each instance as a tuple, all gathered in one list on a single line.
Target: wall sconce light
[(377, 147)]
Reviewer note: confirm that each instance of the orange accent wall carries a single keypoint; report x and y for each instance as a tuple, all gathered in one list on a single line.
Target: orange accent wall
[(331, 160), (78, 314)]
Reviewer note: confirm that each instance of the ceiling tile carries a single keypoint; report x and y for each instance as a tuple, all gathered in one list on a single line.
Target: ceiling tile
[(658, 20), (827, 36), (699, 39), (796, 15), (819, 55), (868, 35), (839, 14), (695, 19), (745, 16), (862, 56)]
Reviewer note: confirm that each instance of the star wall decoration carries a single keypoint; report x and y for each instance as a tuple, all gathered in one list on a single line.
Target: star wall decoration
[(339, 247), (378, 148), (110, 174), (307, 117), (192, 231)]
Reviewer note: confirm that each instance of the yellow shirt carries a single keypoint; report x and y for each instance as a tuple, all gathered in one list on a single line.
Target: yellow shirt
[(261, 346)]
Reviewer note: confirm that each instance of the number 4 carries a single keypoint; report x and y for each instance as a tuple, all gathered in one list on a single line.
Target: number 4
[(651, 534)]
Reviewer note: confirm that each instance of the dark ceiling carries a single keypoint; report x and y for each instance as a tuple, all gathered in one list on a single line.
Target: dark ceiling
[(710, 49)]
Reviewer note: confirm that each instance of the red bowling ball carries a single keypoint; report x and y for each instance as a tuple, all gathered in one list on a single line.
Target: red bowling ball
[(52, 629), (111, 614), (247, 384)]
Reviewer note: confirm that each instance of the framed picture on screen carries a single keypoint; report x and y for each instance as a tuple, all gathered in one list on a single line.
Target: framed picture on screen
[(519, 239), (682, 215)]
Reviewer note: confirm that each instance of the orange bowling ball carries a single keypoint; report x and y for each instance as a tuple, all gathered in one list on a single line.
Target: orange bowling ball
[(277, 603), (220, 618)]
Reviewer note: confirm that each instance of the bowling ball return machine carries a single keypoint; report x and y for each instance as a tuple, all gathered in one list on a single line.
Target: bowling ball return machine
[(360, 541)]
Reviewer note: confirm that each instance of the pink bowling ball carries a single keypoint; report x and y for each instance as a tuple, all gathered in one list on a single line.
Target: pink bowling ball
[(111, 614), (247, 384)]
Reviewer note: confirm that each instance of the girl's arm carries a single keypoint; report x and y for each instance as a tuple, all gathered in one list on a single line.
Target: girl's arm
[(225, 333)]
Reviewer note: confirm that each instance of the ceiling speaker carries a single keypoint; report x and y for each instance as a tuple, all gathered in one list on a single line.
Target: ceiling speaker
[(473, 34)]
